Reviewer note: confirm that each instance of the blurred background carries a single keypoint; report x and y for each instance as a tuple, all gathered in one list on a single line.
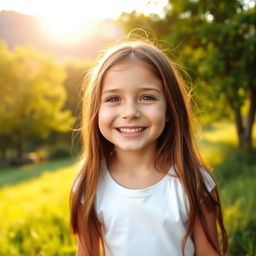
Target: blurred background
[(46, 49)]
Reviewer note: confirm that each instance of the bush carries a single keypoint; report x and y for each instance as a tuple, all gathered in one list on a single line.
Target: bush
[(21, 161), (237, 164), (44, 235), (237, 178), (60, 151), (243, 241)]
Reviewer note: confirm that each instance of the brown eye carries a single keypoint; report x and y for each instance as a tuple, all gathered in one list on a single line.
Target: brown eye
[(112, 99), (148, 98)]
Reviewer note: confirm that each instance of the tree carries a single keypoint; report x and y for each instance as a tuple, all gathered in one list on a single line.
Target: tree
[(32, 96), (225, 33), (75, 73)]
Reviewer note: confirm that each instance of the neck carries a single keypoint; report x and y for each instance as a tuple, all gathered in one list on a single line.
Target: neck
[(130, 161)]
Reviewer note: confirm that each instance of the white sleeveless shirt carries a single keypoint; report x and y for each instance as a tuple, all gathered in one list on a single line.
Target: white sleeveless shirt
[(144, 222)]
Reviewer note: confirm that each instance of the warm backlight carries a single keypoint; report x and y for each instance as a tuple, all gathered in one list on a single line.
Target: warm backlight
[(67, 24), (69, 21)]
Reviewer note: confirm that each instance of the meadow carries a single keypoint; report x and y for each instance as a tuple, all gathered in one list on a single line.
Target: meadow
[(34, 216)]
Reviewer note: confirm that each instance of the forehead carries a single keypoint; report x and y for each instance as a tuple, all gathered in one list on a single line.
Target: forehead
[(131, 72), (131, 61)]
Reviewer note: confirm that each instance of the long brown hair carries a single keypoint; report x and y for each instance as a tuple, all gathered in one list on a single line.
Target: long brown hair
[(175, 145)]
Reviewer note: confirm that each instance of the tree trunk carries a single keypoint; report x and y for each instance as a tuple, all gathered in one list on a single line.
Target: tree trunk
[(247, 137), (244, 131)]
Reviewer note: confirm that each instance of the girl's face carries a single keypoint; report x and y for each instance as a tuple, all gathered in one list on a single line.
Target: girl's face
[(132, 111)]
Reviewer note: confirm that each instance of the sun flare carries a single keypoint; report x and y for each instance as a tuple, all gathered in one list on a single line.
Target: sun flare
[(66, 25), (64, 31), (69, 21)]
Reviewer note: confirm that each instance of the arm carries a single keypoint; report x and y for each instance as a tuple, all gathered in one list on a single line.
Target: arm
[(202, 246)]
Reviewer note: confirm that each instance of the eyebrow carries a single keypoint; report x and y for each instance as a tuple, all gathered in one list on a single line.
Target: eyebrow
[(142, 89)]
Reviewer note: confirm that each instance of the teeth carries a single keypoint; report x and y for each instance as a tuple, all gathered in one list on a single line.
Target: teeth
[(132, 130)]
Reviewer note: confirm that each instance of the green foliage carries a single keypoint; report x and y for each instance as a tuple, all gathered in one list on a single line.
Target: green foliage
[(243, 241), (219, 46), (32, 95), (76, 71)]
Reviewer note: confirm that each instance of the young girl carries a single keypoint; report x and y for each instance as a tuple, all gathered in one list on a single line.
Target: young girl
[(143, 188)]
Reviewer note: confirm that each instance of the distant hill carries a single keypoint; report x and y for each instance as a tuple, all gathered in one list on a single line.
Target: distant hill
[(21, 29)]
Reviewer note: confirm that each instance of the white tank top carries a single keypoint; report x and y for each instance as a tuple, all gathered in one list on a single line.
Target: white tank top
[(144, 222)]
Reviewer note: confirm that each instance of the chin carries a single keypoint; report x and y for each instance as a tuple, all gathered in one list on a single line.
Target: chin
[(130, 149), (133, 149)]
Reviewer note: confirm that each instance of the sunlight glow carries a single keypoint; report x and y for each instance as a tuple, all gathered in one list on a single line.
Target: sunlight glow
[(68, 21), (67, 25)]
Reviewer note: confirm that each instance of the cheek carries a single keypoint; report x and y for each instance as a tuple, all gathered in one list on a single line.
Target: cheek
[(158, 115), (160, 120), (105, 118)]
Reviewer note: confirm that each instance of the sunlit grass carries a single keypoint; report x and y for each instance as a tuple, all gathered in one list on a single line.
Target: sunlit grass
[(215, 141), (14, 175), (38, 207), (235, 173), (49, 191), (220, 132), (239, 199)]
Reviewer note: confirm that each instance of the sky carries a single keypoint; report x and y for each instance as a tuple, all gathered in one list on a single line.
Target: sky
[(95, 9), (69, 19)]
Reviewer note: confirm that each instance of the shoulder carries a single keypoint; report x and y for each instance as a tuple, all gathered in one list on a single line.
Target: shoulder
[(208, 179), (206, 175), (176, 188)]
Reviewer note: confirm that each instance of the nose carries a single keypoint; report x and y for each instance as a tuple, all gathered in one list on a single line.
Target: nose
[(130, 110)]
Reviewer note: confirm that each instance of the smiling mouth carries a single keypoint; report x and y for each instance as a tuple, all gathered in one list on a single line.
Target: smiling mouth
[(131, 130)]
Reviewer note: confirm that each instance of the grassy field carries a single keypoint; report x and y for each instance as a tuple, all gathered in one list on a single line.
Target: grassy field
[(34, 200), (235, 173), (34, 212)]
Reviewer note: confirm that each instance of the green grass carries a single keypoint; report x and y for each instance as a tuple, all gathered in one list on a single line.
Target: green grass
[(34, 212), (235, 173), (34, 199), (14, 175)]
